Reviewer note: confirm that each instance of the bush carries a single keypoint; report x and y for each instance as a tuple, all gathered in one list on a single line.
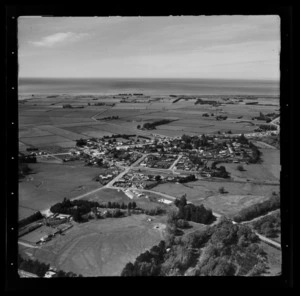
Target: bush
[(222, 190), (183, 224), (240, 168)]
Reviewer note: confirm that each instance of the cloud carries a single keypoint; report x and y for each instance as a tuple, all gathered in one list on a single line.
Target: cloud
[(59, 38)]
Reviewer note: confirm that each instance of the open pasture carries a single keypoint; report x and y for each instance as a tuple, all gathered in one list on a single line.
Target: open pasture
[(50, 183), (33, 132), (207, 192), (87, 131), (101, 247), (268, 170), (46, 141), (68, 135)]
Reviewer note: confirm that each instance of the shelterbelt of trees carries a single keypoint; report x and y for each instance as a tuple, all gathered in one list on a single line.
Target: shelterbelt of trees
[(258, 209), (81, 210), (269, 226), (40, 269), (224, 249), (153, 125)]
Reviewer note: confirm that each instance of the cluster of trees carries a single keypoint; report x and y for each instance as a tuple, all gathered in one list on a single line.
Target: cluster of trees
[(258, 209), (188, 178), (190, 212), (205, 115), (104, 104), (220, 171), (195, 159), (191, 142), (81, 210), (266, 127), (116, 205), (256, 154), (67, 106), (221, 117), (81, 142), (120, 154), (222, 250), (124, 136), (110, 117), (153, 125), (269, 225), (75, 208), (35, 217), (40, 269), (209, 102), (242, 140)]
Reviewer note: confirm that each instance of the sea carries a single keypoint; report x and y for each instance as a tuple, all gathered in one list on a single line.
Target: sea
[(147, 86)]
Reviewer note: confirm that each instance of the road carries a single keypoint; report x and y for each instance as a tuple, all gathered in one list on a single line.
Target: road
[(28, 245), (110, 184), (257, 218), (264, 144), (268, 241), (175, 162)]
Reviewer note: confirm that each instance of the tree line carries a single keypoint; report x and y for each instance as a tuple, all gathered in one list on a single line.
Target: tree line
[(258, 209), (269, 225), (190, 212), (34, 217), (153, 125), (80, 209), (40, 269)]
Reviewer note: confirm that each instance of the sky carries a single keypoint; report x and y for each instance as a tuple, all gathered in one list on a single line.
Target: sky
[(225, 47)]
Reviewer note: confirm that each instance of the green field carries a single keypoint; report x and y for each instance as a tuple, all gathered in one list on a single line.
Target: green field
[(240, 195), (50, 183), (268, 170), (40, 113), (100, 247)]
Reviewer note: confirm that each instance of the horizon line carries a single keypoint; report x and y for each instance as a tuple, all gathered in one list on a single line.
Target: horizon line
[(209, 78)]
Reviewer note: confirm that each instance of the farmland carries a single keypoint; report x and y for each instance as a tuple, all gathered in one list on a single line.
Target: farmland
[(50, 183), (101, 247), (42, 119), (240, 195)]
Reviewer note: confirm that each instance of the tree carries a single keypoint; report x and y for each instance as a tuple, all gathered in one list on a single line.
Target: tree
[(100, 162), (128, 270), (157, 178), (138, 127), (222, 190), (240, 168), (182, 223), (172, 217)]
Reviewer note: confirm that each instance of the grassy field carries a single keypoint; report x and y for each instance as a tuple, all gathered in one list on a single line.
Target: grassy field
[(50, 183), (25, 212), (105, 195), (42, 119), (115, 195), (100, 247), (268, 170), (240, 195)]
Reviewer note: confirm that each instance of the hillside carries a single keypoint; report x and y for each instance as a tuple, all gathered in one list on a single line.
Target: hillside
[(224, 249)]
